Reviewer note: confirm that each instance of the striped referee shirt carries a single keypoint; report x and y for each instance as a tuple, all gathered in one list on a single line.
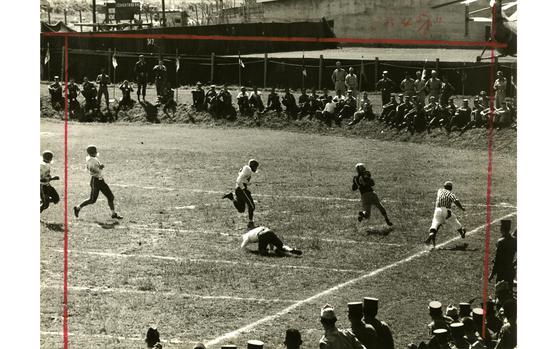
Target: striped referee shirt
[(445, 198)]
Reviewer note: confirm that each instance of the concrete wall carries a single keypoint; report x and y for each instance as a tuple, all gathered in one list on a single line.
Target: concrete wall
[(398, 19)]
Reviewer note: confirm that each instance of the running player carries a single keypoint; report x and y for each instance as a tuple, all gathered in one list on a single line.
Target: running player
[(443, 213), (97, 183), (242, 194), (365, 183), (48, 193)]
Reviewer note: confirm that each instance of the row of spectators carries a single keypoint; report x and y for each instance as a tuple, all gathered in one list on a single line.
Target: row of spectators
[(456, 328)]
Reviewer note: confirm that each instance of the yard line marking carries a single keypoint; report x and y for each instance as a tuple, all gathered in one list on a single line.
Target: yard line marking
[(307, 197), (179, 230), (286, 310), (167, 293), (214, 261), (109, 336)]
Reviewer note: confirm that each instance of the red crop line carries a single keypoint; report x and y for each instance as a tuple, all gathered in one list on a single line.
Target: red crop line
[(487, 44), (65, 299)]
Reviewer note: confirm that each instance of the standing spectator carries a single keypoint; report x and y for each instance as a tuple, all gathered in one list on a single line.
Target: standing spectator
[(198, 96), (506, 249), (408, 85), (333, 338), (439, 321), (500, 87), (125, 101), (141, 72), (73, 104), (420, 87), (55, 90), (433, 85), (273, 102), (363, 332), (384, 334), (292, 339), (338, 78), (243, 102), (289, 102), (103, 81), (351, 82), (90, 94), (255, 100), (446, 91), (160, 77), (386, 86)]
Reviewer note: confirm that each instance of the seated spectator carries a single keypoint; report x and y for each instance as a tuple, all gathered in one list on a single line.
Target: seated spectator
[(464, 310), (201, 345), (503, 117), (452, 312), (302, 101), (289, 101), (243, 102), (167, 99), (265, 237), (384, 334), (323, 98), (333, 338), (433, 112), (273, 102), (89, 91), (292, 339), (388, 110), (55, 90), (255, 100), (471, 335), (458, 336), (484, 100), (125, 101), (365, 110), (439, 321), (363, 332), (402, 109), (440, 340), (312, 107), (152, 338), (415, 119), (461, 117), (210, 100), (198, 96), (348, 108), (329, 111), (73, 104), (477, 316), (225, 106)]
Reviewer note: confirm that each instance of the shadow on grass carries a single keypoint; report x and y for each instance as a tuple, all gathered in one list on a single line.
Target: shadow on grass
[(382, 231), (59, 227), (107, 225)]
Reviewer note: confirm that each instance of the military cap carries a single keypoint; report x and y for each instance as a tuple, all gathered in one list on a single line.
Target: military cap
[(435, 308), (48, 153), (464, 309), (198, 83), (434, 71), (477, 312), (465, 100), (401, 94), (57, 77), (451, 311), (385, 72), (292, 337), (505, 225), (355, 309), (229, 346), (371, 305), (199, 345), (501, 286), (448, 184), (212, 86), (327, 312), (457, 327), (255, 344), (440, 332), (243, 88), (349, 91)]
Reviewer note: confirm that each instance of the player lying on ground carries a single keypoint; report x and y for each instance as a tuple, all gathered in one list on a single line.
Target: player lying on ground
[(242, 194), (48, 193), (365, 183), (443, 213), (97, 183), (265, 237)]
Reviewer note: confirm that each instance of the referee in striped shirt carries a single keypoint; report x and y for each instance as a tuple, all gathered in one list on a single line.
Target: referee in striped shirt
[(443, 214)]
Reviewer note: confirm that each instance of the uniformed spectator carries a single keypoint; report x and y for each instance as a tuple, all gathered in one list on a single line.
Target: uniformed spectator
[(464, 310), (198, 96), (292, 339), (385, 336), (471, 335), (351, 82), (141, 72), (243, 102), (365, 110), (160, 77), (103, 81), (90, 94), (433, 85), (289, 101), (492, 321), (433, 112), (363, 332), (386, 86), (447, 90), (125, 101), (402, 109), (211, 100), (255, 344), (420, 87), (55, 90), (302, 102), (225, 105), (333, 338), (507, 337), (503, 292), (484, 100), (408, 85), (506, 249), (338, 78), (73, 104), (500, 88), (255, 100), (349, 107), (461, 117), (273, 102), (440, 339), (458, 336), (439, 321), (389, 109), (152, 337), (478, 318), (415, 119), (329, 111)]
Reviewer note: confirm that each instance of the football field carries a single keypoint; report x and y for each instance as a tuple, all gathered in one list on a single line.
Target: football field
[(175, 261)]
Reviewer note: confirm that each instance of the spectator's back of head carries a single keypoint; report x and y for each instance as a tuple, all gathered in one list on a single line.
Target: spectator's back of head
[(152, 337), (293, 339)]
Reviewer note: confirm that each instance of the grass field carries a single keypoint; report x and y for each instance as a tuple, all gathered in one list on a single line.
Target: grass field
[(174, 261)]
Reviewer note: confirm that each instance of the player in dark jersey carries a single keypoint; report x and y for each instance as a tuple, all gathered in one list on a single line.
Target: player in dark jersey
[(365, 183)]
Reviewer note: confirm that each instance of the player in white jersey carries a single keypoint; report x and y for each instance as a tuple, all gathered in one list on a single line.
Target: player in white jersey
[(97, 183), (265, 237), (48, 193), (243, 196), (443, 214)]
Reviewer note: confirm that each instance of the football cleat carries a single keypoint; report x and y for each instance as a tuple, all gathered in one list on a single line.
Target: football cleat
[(116, 216), (228, 196), (76, 211)]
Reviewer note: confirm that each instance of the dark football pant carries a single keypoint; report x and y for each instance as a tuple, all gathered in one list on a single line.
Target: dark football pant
[(243, 198), (141, 89), (370, 199), (105, 92), (269, 238), (99, 185), (48, 195)]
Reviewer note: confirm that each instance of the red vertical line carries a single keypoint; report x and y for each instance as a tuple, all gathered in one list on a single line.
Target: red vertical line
[(489, 180), (65, 301)]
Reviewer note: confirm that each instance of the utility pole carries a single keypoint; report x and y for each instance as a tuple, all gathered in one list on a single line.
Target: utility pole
[(164, 24), (94, 10)]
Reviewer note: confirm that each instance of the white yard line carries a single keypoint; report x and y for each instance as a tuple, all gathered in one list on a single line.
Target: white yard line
[(288, 309), (297, 197), (167, 293), (212, 261), (113, 337)]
